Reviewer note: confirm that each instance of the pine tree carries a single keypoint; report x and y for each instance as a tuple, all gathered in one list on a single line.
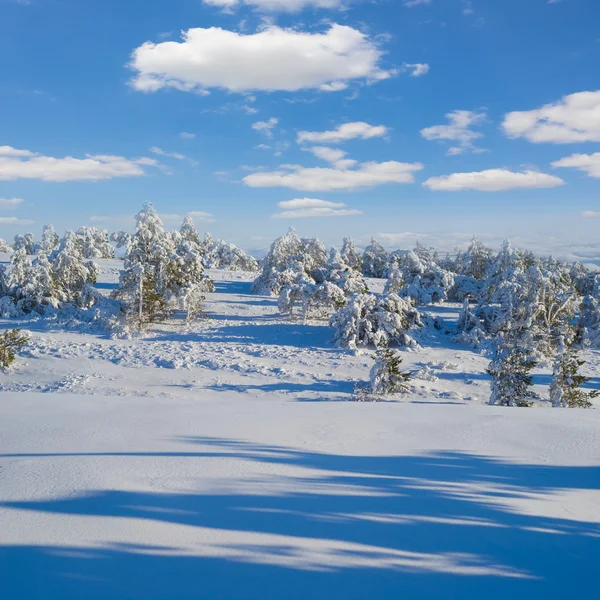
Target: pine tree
[(565, 390), (49, 241), (395, 281), (5, 247), (70, 272), (20, 270), (41, 289), (11, 341), (25, 242), (350, 255), (510, 369), (374, 260), (386, 376)]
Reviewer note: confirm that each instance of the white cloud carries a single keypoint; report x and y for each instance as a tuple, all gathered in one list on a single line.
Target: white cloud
[(184, 135), (411, 3), (590, 214), (417, 69), (161, 152), (266, 127), (303, 208), (262, 147), (196, 215), (457, 130), (493, 180), (275, 5), (326, 179), (588, 163), (345, 132), (335, 156), (574, 118), (10, 202), (15, 221), (24, 164), (273, 59), (14, 152)]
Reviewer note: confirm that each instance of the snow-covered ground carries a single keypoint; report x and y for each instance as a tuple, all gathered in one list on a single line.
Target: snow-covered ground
[(224, 461)]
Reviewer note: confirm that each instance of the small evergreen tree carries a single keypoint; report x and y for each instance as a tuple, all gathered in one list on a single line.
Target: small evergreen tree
[(386, 376), (11, 341), (511, 371), (350, 255), (49, 241), (374, 260), (565, 391)]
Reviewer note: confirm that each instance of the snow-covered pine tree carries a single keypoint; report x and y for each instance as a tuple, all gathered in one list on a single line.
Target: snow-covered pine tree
[(225, 255), (70, 272), (371, 320), (146, 281), (374, 260), (189, 233), (386, 376), (395, 281), (40, 291), (475, 262), (469, 327), (25, 242), (511, 372), (565, 390), (20, 271), (11, 341), (5, 247), (290, 260), (350, 255), (95, 243), (49, 241)]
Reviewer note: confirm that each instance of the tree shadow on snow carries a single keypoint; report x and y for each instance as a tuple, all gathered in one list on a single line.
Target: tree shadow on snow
[(325, 526)]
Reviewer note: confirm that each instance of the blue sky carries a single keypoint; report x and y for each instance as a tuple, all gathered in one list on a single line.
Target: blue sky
[(114, 85)]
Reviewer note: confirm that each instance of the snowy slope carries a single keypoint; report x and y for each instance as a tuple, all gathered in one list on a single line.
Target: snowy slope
[(220, 497), (224, 461)]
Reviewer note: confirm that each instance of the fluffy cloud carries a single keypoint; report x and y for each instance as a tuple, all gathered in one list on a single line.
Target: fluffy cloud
[(273, 59), (457, 130), (326, 179), (411, 3), (588, 163), (275, 5), (574, 118), (184, 135), (345, 132), (590, 214), (23, 164), (15, 221), (493, 180), (417, 69), (303, 208), (335, 156), (10, 202), (266, 127)]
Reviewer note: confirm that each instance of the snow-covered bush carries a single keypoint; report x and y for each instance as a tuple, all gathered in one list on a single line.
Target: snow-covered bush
[(315, 300), (290, 260), (588, 324), (374, 260), (386, 376), (565, 390), (466, 287), (224, 255), (431, 287), (371, 320), (476, 261), (40, 291), (5, 248)]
